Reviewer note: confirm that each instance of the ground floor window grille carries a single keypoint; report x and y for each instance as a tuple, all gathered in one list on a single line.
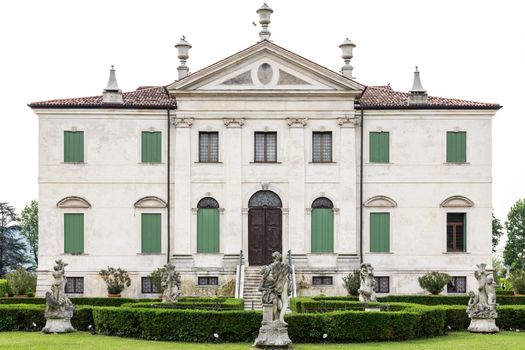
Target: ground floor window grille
[(148, 286), (322, 280), (382, 284), (208, 281), (75, 285), (457, 285)]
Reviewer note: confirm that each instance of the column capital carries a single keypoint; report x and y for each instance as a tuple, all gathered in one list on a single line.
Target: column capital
[(347, 122), (181, 122), (233, 122), (297, 122)]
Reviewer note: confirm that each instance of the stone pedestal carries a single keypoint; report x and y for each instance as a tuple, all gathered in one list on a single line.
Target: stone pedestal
[(272, 334), (483, 325), (58, 325)]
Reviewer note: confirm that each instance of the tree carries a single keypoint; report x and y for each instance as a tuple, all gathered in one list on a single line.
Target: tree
[(497, 232), (514, 253), (12, 249), (29, 229)]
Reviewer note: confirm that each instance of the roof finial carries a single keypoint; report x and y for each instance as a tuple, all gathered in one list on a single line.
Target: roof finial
[(418, 95), (112, 94), (347, 48), (183, 48), (264, 13)]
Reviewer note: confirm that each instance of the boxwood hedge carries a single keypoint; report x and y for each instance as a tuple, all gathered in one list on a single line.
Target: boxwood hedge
[(31, 317), (80, 301), (432, 299), (194, 304)]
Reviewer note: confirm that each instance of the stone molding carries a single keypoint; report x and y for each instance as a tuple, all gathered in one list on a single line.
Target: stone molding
[(380, 202), (182, 122), (297, 122), (347, 122), (150, 202), (73, 202), (233, 122), (457, 202)]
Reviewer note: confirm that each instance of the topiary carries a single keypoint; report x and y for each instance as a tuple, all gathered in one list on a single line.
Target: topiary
[(352, 282), (517, 278), (116, 279), (434, 282)]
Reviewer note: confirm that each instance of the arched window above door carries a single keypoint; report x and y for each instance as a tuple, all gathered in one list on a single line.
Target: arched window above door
[(322, 202), (265, 198), (208, 202)]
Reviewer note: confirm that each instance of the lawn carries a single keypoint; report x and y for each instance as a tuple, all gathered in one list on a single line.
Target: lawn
[(86, 341)]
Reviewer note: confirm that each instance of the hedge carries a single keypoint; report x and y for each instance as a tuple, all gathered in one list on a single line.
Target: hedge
[(431, 299), (504, 292), (79, 301), (4, 287), (21, 317), (194, 304)]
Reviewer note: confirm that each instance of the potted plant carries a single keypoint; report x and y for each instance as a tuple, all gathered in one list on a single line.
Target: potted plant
[(116, 280), (21, 282), (4, 288), (517, 279), (434, 282)]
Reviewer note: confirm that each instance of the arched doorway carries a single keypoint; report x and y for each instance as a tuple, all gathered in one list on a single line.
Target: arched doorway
[(264, 227)]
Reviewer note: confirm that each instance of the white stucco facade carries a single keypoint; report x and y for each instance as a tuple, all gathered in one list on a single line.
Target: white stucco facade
[(233, 99)]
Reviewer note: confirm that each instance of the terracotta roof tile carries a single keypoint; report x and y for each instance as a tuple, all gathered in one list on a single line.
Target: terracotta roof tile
[(143, 98), (383, 97)]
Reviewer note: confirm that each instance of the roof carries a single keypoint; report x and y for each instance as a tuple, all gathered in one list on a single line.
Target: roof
[(155, 97), (383, 97)]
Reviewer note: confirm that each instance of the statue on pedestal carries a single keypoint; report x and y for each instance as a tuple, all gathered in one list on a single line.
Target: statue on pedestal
[(170, 283), (276, 287), (482, 304), (368, 283), (59, 309)]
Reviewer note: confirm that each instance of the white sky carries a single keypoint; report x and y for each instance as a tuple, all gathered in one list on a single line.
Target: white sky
[(55, 49)]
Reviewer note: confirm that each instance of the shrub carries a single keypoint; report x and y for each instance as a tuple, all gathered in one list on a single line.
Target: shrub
[(434, 282), (433, 299), (156, 278), (352, 282), (517, 278), (4, 287), (217, 304), (21, 317), (504, 292), (21, 281), (116, 279), (80, 301)]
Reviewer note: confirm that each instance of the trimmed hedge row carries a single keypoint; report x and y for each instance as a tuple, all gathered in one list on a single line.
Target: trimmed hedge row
[(431, 299), (31, 317), (79, 301), (183, 304)]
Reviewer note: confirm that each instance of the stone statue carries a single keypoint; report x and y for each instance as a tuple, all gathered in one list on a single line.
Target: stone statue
[(59, 309), (170, 284), (368, 283), (276, 288), (482, 304)]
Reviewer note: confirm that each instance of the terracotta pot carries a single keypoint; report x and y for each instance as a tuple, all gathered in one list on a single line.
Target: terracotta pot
[(113, 295), (20, 296)]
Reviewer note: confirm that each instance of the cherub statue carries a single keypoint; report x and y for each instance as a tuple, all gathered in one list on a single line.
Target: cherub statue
[(171, 283), (368, 283), (59, 309), (276, 286)]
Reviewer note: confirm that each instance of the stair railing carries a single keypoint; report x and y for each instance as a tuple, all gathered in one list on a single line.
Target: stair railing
[(294, 286), (239, 280)]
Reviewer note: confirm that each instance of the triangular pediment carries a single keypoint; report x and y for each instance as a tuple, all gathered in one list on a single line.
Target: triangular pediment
[(262, 67)]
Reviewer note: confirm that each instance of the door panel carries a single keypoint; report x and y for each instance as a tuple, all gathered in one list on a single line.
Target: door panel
[(264, 235)]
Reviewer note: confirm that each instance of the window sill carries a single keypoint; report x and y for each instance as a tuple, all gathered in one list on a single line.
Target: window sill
[(322, 285), (207, 163), (265, 163), (454, 253), (151, 163), (456, 163), (151, 254), (379, 163), (206, 286), (74, 163), (75, 295), (323, 163), (381, 253), (75, 254)]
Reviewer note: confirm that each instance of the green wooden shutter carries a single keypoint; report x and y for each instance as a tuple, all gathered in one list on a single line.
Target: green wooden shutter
[(151, 146), (379, 232), (379, 144), (208, 230), (322, 230), (151, 229), (74, 233), (456, 147), (73, 146)]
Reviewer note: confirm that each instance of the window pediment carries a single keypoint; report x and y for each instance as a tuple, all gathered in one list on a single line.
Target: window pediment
[(380, 202), (73, 202), (457, 202), (150, 202)]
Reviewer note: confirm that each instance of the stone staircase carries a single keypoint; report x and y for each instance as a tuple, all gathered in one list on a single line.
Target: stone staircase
[(251, 294)]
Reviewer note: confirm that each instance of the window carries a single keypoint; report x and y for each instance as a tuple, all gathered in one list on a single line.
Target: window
[(322, 226), (456, 228), (322, 147), (208, 147), (265, 147), (208, 226), (382, 285), (74, 233), (457, 285), (322, 280), (379, 232), (73, 146), (74, 285), (151, 146), (151, 233), (379, 147), (456, 147), (148, 286), (208, 281)]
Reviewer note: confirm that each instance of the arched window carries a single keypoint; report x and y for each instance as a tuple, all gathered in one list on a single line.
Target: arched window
[(322, 225), (208, 226), (265, 198)]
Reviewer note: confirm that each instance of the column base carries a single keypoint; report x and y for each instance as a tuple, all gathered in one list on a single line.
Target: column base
[(58, 325), (483, 325)]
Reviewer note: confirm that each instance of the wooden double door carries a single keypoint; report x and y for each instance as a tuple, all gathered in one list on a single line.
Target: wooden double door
[(264, 234)]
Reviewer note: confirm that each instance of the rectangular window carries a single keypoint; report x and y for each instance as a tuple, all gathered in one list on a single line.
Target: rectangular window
[(456, 228), (148, 286), (208, 147), (151, 146), (208, 281), (73, 146), (379, 147), (265, 147), (382, 284), (75, 285), (379, 232), (456, 147), (74, 233), (151, 233), (322, 280), (457, 285), (322, 147)]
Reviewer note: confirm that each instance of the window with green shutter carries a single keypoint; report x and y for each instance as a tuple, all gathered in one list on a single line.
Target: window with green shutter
[(74, 233), (322, 226), (456, 146), (151, 146), (379, 232), (73, 146), (151, 229), (208, 229), (379, 147)]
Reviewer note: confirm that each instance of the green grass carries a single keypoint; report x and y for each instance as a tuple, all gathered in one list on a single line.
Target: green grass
[(86, 341)]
